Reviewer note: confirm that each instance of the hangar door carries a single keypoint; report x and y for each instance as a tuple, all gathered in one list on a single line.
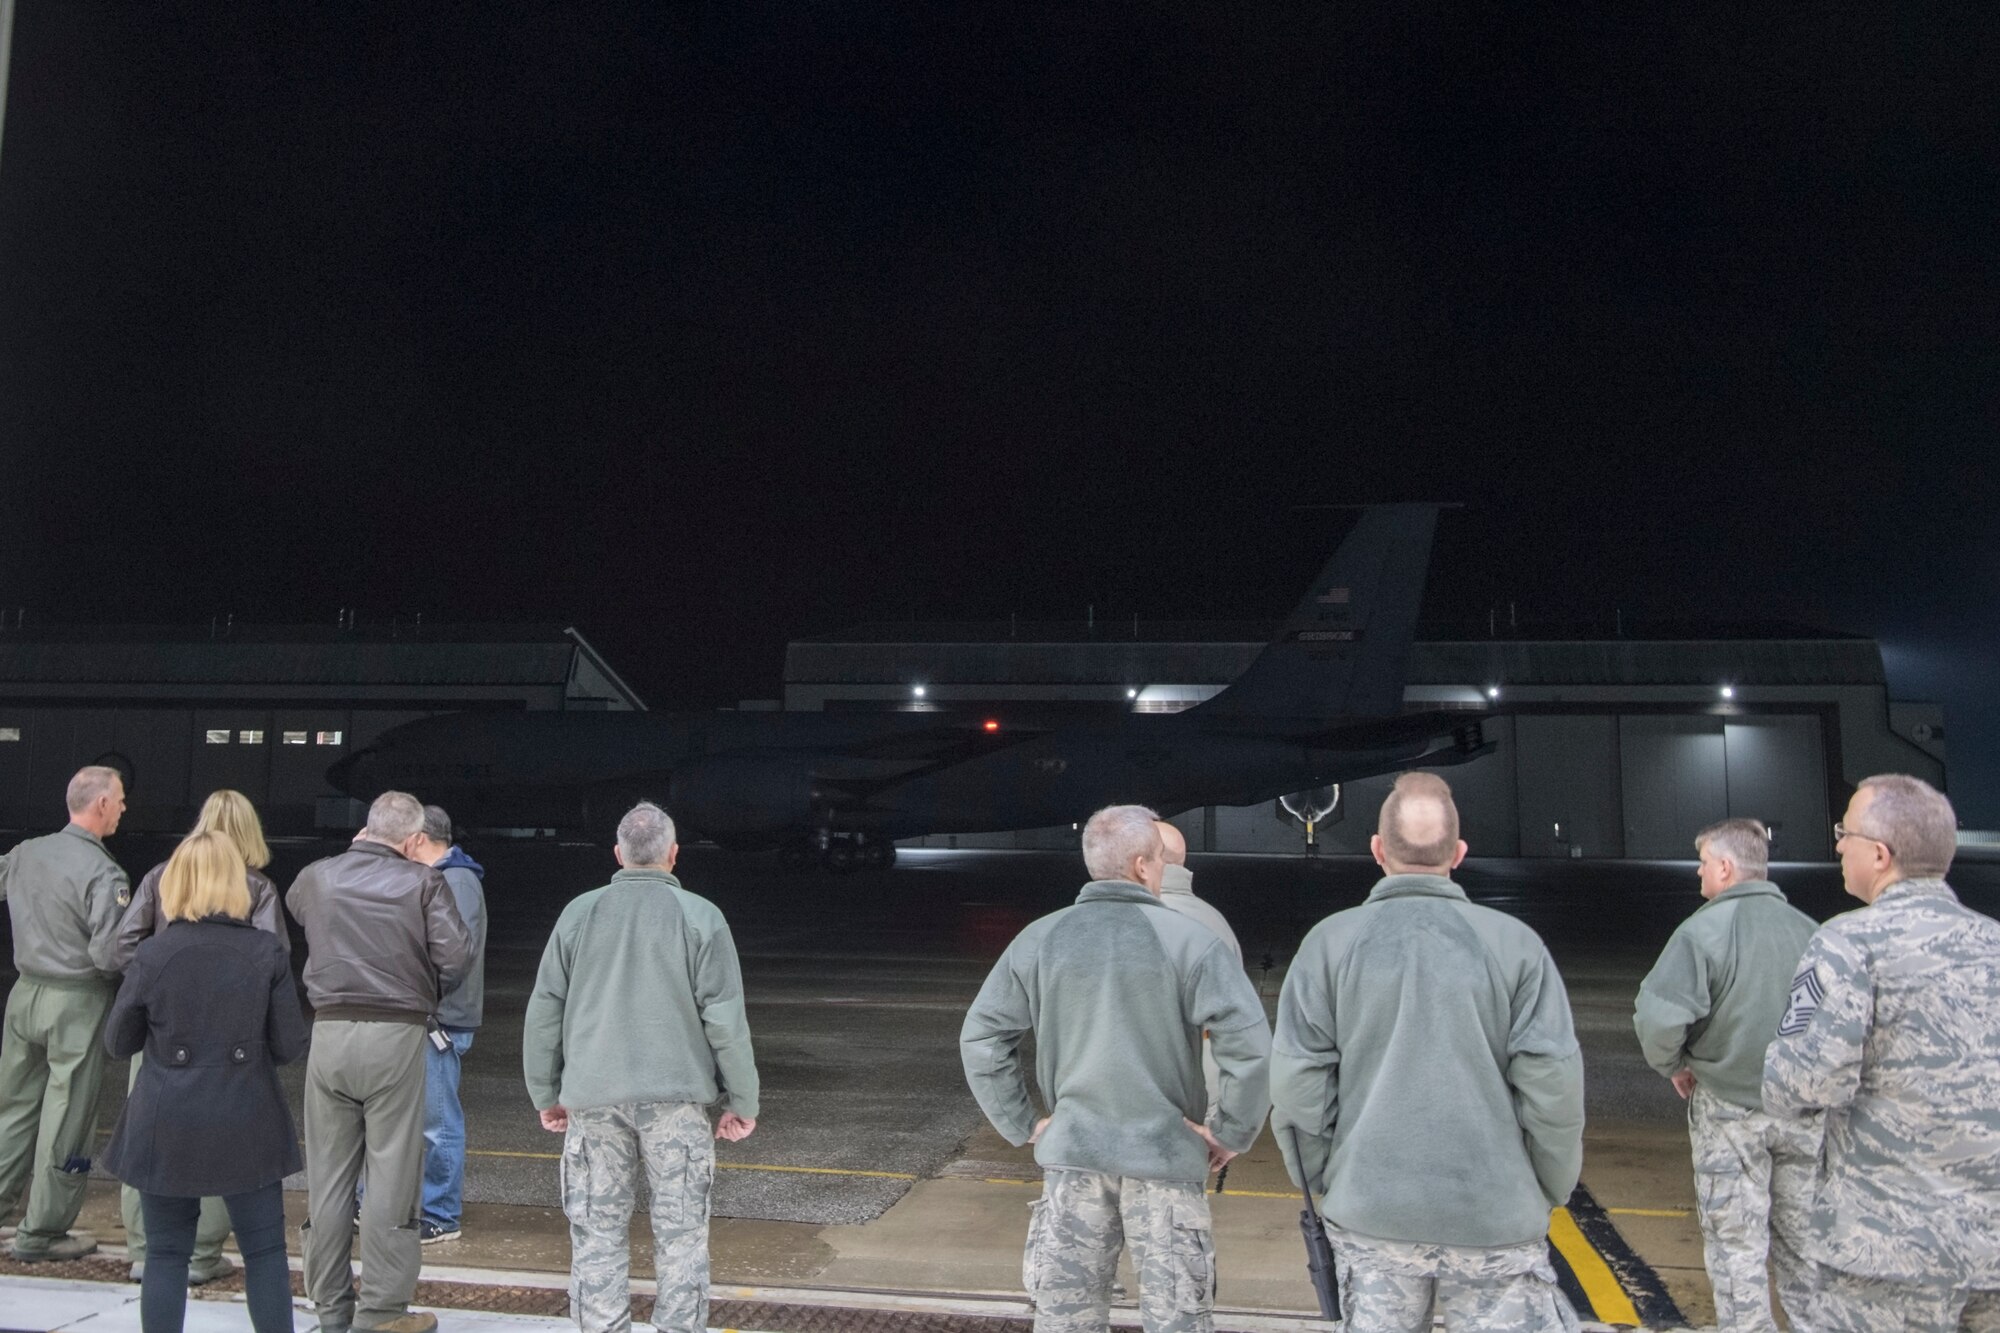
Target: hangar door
[(1777, 773), (1676, 776), (1683, 773), (1564, 773)]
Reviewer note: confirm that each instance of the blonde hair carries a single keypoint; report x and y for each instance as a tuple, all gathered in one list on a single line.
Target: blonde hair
[(231, 814), (1419, 805), (205, 877)]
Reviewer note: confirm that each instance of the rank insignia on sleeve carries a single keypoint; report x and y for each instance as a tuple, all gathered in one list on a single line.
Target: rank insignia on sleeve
[(1806, 995)]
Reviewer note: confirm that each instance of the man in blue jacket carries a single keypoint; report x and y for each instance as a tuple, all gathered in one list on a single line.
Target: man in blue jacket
[(1117, 990), (458, 1015)]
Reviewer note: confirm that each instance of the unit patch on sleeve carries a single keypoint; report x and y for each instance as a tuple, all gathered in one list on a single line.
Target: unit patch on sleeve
[(1806, 995)]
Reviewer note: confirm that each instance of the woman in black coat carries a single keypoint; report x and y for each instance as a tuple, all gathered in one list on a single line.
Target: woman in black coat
[(211, 1002)]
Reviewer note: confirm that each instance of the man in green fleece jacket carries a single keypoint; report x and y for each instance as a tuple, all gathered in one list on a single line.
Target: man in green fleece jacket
[(1705, 1014), (635, 1028), (1426, 1062), (1117, 990)]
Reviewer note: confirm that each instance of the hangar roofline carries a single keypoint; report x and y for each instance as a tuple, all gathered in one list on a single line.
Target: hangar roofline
[(1113, 629)]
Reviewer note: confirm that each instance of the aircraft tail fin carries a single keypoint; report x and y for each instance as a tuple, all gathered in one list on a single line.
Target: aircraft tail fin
[(1344, 650)]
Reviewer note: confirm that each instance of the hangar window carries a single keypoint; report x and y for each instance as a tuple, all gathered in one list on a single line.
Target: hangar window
[(329, 738), (295, 738), (10, 733), (218, 736), (252, 737)]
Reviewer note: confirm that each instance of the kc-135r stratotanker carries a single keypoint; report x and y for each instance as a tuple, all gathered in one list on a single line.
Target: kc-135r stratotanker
[(1322, 704)]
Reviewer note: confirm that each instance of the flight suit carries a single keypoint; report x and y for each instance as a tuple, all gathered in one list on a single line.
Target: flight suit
[(64, 895)]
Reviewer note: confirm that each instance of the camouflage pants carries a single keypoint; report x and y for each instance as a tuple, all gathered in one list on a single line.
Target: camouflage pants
[(603, 1153), (1843, 1303), (1753, 1177), (1392, 1286), (1081, 1223)]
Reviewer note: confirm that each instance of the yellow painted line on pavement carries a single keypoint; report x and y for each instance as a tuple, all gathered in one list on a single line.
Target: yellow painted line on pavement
[(1650, 1212), (817, 1170), (721, 1166), (1607, 1296)]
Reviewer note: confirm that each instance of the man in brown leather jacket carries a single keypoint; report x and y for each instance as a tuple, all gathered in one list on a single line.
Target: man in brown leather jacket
[(383, 940)]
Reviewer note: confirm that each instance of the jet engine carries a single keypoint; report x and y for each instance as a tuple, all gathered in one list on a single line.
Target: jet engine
[(745, 798)]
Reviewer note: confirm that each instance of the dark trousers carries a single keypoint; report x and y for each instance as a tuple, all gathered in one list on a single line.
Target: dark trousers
[(258, 1218)]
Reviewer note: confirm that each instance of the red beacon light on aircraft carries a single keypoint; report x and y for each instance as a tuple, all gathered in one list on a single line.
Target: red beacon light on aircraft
[(992, 724)]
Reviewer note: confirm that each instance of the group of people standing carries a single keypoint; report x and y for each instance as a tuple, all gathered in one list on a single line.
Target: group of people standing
[(1424, 1080), (190, 975)]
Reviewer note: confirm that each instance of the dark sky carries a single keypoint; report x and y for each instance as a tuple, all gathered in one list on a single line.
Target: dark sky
[(704, 326)]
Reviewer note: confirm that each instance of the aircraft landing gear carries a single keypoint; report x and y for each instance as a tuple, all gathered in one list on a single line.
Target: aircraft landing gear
[(838, 854)]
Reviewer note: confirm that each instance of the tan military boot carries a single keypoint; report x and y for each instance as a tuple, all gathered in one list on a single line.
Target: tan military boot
[(413, 1322)]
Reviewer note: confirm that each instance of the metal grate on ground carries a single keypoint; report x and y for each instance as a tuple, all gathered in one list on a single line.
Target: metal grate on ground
[(769, 1317)]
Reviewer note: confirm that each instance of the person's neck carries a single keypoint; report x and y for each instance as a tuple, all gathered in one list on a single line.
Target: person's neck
[(94, 827), (1881, 886)]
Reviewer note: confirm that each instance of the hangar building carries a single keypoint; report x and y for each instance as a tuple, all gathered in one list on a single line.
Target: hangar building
[(1604, 747), (265, 710)]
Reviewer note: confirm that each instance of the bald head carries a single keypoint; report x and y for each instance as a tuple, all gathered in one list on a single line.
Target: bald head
[(1173, 841), (1418, 830)]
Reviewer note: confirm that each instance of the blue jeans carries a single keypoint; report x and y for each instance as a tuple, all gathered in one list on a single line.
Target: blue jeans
[(259, 1219), (444, 1131)]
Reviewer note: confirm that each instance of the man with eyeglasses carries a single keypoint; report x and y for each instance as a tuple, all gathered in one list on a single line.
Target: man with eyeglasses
[(1892, 1031)]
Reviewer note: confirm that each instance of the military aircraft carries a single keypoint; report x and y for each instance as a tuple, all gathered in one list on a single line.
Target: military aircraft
[(1322, 704)]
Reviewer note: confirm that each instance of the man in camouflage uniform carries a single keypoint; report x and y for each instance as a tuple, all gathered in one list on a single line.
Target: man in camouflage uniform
[(1892, 1031), (635, 1027), (64, 894), (1426, 1080), (1705, 1014), (1117, 989)]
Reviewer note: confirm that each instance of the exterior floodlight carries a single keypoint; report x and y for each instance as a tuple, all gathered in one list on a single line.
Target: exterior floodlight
[(1729, 691), (917, 690), (1493, 691)]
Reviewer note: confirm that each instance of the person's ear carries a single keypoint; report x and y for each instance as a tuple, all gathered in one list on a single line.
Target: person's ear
[(618, 854), (1459, 857), (1375, 850)]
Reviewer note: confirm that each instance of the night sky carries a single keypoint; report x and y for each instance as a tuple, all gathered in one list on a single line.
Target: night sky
[(706, 326)]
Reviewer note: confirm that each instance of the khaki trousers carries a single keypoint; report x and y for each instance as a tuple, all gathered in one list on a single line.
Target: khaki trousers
[(364, 1107), (51, 1063)]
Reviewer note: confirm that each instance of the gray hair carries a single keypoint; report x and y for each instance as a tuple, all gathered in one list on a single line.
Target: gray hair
[(437, 824), (393, 817), (89, 784), (1915, 819), (645, 835), (1115, 835), (1745, 841)]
